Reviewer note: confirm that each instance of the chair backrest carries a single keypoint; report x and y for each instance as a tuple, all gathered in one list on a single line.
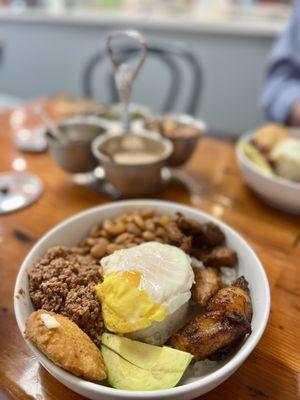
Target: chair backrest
[(169, 54), (1, 51)]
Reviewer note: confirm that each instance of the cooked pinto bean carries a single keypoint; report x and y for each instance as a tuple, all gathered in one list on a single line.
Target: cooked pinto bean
[(113, 228), (99, 249)]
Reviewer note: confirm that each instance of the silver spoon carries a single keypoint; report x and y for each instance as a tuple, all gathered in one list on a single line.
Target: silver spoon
[(54, 130), (125, 76)]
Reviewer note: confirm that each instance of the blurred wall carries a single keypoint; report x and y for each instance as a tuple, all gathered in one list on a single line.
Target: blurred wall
[(48, 58)]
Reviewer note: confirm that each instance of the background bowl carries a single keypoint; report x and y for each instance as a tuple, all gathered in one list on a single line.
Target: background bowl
[(72, 230), (76, 155), (183, 145), (278, 192), (136, 111)]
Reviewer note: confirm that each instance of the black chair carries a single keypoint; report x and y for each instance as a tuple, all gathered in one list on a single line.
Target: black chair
[(6, 101), (168, 54)]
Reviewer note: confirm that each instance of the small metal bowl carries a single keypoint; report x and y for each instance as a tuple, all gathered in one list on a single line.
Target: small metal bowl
[(183, 146), (136, 111), (138, 115), (76, 155), (139, 179)]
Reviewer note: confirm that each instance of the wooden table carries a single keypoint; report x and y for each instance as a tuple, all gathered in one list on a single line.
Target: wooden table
[(271, 371)]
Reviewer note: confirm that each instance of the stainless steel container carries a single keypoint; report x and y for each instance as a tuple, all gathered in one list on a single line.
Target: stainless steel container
[(75, 156), (136, 112), (133, 179), (183, 146), (183, 150)]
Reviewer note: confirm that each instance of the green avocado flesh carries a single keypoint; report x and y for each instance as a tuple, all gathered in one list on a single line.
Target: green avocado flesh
[(134, 365)]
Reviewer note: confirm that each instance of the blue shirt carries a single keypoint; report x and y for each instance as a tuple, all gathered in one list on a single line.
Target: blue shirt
[(282, 88)]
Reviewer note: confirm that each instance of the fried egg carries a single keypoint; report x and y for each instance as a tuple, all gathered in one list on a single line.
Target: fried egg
[(142, 285)]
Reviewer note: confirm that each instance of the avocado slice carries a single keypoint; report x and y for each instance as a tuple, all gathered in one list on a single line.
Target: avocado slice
[(134, 365)]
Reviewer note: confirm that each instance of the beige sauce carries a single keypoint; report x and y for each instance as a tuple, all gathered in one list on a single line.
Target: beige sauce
[(134, 158)]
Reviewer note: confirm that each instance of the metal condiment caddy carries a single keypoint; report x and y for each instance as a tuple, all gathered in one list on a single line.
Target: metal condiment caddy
[(112, 177)]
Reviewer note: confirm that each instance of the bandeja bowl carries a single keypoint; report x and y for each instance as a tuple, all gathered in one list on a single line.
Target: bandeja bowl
[(276, 191), (72, 230)]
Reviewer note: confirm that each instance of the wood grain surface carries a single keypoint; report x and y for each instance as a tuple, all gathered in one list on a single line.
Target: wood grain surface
[(270, 372)]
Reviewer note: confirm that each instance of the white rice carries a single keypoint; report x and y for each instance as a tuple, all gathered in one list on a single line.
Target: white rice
[(159, 332), (228, 275), (200, 368), (197, 263)]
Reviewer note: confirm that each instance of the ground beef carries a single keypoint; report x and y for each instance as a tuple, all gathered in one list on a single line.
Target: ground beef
[(63, 281), (85, 310)]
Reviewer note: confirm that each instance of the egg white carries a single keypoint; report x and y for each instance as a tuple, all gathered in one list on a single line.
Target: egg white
[(166, 272)]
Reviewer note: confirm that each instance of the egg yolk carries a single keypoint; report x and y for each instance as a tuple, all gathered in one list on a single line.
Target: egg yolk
[(125, 307)]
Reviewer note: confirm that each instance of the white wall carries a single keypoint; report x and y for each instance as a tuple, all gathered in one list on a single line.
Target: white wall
[(47, 58)]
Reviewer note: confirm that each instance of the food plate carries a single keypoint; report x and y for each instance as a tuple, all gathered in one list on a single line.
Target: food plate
[(276, 191), (71, 231)]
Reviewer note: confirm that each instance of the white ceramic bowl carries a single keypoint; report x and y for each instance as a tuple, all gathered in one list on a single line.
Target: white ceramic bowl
[(71, 231), (276, 191)]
